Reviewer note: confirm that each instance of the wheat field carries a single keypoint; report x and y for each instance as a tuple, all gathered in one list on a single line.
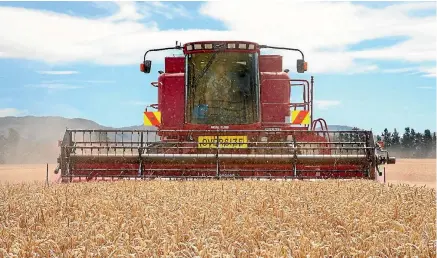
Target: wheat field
[(217, 219), (419, 172)]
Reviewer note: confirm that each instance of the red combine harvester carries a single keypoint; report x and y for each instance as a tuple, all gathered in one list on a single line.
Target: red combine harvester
[(224, 111)]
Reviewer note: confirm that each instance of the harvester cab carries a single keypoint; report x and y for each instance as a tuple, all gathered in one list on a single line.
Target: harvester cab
[(224, 110)]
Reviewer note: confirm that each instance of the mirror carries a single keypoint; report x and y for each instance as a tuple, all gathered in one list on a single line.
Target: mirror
[(146, 66), (301, 66)]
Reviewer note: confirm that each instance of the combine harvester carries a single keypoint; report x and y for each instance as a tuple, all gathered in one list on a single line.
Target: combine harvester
[(224, 111)]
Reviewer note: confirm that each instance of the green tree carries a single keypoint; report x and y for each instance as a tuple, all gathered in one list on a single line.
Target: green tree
[(417, 149), (355, 136), (395, 139), (344, 137), (413, 136), (427, 144), (434, 147), (411, 143), (407, 140), (386, 135)]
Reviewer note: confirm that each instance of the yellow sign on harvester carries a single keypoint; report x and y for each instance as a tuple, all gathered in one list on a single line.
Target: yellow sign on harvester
[(152, 118), (225, 142), (300, 117)]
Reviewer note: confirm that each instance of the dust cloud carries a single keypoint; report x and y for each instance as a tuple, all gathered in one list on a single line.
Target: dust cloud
[(36, 138)]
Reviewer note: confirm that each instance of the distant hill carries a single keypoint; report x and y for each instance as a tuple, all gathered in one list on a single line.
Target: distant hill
[(338, 128), (49, 128), (39, 135)]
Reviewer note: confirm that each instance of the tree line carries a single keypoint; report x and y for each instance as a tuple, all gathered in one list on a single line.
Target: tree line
[(410, 144)]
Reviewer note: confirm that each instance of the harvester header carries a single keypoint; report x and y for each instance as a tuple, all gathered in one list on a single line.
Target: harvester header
[(224, 110)]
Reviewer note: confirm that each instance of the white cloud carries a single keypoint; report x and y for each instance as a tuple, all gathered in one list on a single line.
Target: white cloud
[(425, 71), (429, 72), (426, 87), (4, 112), (314, 27), (127, 11), (98, 81), (58, 72), (54, 86), (325, 104), (79, 81), (400, 70), (137, 103), (54, 37), (169, 11)]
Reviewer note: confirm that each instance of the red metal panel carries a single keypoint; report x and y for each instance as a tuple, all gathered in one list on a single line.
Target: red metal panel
[(275, 97), (106, 171), (254, 126), (171, 101), (161, 79), (270, 63), (174, 64)]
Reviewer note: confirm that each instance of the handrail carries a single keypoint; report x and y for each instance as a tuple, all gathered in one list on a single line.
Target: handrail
[(307, 96), (155, 106), (323, 126)]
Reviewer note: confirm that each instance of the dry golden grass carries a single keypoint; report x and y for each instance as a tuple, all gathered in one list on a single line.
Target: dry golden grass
[(217, 218)]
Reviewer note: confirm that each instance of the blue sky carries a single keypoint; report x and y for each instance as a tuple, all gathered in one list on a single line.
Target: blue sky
[(373, 62)]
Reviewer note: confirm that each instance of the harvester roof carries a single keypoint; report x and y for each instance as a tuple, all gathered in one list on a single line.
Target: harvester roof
[(231, 45)]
